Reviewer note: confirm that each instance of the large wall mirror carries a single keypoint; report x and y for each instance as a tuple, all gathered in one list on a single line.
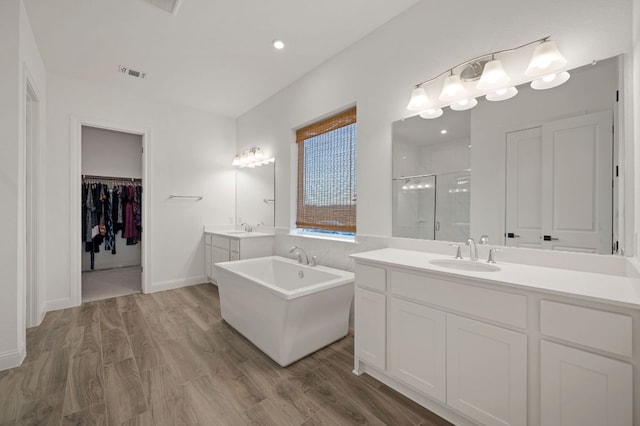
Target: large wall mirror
[(255, 196), (535, 171)]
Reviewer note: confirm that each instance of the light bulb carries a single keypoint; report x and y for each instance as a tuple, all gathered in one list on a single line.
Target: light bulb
[(493, 76), (502, 94), (431, 113), (452, 89), (419, 100), (546, 59), (464, 104), (550, 81), (278, 44)]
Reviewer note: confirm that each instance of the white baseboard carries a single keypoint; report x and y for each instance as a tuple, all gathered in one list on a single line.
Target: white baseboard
[(54, 305), (172, 284), (12, 359)]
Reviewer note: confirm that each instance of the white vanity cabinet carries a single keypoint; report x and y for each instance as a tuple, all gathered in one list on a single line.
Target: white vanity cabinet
[(417, 347), (486, 371), (370, 308), (479, 352), (605, 383), (223, 247)]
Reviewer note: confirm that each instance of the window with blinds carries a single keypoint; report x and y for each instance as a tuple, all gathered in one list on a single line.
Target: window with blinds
[(327, 174)]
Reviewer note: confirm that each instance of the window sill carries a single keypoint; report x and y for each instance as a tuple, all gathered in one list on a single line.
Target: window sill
[(339, 238)]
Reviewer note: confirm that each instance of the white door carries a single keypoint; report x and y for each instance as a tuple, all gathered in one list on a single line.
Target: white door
[(578, 388), (417, 347), (486, 372), (370, 327), (566, 166), (524, 188)]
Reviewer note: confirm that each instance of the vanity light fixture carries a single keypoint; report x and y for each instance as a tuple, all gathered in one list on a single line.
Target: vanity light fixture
[(251, 158), (459, 92)]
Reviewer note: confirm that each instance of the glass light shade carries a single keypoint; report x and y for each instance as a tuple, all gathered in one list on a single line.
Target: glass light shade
[(419, 100), (493, 76), (236, 161), (259, 155), (546, 59), (431, 113), (502, 94), (464, 104), (452, 89), (551, 80)]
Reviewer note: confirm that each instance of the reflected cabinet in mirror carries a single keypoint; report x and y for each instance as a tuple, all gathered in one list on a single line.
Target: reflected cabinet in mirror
[(255, 196), (533, 171)]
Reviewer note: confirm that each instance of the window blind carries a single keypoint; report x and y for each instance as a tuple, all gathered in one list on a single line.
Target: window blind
[(327, 174)]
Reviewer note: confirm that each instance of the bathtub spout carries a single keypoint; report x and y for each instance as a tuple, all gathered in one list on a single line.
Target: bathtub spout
[(300, 252)]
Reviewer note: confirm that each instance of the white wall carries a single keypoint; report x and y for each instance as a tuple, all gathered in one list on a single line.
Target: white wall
[(110, 153), (19, 56), (379, 72), (636, 108), (119, 154), (191, 153)]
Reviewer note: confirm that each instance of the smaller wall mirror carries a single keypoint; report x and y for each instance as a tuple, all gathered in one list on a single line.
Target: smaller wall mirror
[(255, 195)]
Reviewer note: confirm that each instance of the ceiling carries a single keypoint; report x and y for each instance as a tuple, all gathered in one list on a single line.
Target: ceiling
[(213, 55)]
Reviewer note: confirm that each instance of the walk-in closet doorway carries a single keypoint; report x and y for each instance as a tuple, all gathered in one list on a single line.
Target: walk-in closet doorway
[(110, 214)]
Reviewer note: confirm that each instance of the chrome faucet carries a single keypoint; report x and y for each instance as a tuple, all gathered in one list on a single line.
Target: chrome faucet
[(246, 227), (300, 252), (473, 250), (484, 239)]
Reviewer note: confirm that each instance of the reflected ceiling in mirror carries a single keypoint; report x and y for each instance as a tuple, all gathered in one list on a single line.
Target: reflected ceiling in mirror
[(536, 168)]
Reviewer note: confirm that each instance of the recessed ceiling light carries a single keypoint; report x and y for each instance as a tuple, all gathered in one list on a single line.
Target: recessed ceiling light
[(443, 131), (278, 44)]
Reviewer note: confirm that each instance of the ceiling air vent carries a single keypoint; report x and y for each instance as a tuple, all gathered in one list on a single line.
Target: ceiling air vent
[(133, 73), (170, 6)]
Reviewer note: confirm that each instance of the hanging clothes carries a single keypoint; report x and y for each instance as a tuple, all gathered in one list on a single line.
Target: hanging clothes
[(107, 210)]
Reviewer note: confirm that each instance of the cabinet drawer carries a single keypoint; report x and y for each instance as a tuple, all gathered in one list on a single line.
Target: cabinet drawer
[(589, 327), (505, 308), (207, 239), (234, 244), (221, 242), (371, 277)]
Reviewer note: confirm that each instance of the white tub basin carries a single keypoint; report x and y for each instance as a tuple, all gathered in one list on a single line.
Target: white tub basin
[(465, 265)]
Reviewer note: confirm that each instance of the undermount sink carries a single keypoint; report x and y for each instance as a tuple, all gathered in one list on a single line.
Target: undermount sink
[(465, 265)]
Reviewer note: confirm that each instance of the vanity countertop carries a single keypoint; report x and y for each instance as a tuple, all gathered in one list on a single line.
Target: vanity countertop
[(611, 289), (233, 233)]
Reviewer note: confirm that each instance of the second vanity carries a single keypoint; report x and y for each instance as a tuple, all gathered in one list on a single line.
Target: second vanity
[(226, 245), (512, 345)]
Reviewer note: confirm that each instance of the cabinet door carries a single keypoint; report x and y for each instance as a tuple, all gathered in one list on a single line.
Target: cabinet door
[(208, 264), (370, 327), (417, 352), (219, 254), (581, 388), (486, 372)]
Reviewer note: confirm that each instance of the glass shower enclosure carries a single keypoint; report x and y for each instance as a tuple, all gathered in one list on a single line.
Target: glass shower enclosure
[(432, 206)]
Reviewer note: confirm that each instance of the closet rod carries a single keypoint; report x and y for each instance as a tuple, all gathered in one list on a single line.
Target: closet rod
[(130, 179)]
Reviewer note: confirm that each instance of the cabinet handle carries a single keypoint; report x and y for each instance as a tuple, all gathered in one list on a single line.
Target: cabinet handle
[(512, 235), (549, 238)]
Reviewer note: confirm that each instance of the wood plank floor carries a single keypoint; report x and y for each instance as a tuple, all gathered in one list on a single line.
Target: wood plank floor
[(168, 359)]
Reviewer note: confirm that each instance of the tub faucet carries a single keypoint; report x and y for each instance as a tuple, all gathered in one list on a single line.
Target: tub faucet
[(473, 250), (300, 252)]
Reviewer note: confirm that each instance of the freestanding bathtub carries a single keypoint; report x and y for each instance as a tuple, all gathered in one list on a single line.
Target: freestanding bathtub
[(286, 309)]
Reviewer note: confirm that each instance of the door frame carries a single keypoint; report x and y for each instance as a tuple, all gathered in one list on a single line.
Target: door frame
[(75, 216), (34, 212)]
